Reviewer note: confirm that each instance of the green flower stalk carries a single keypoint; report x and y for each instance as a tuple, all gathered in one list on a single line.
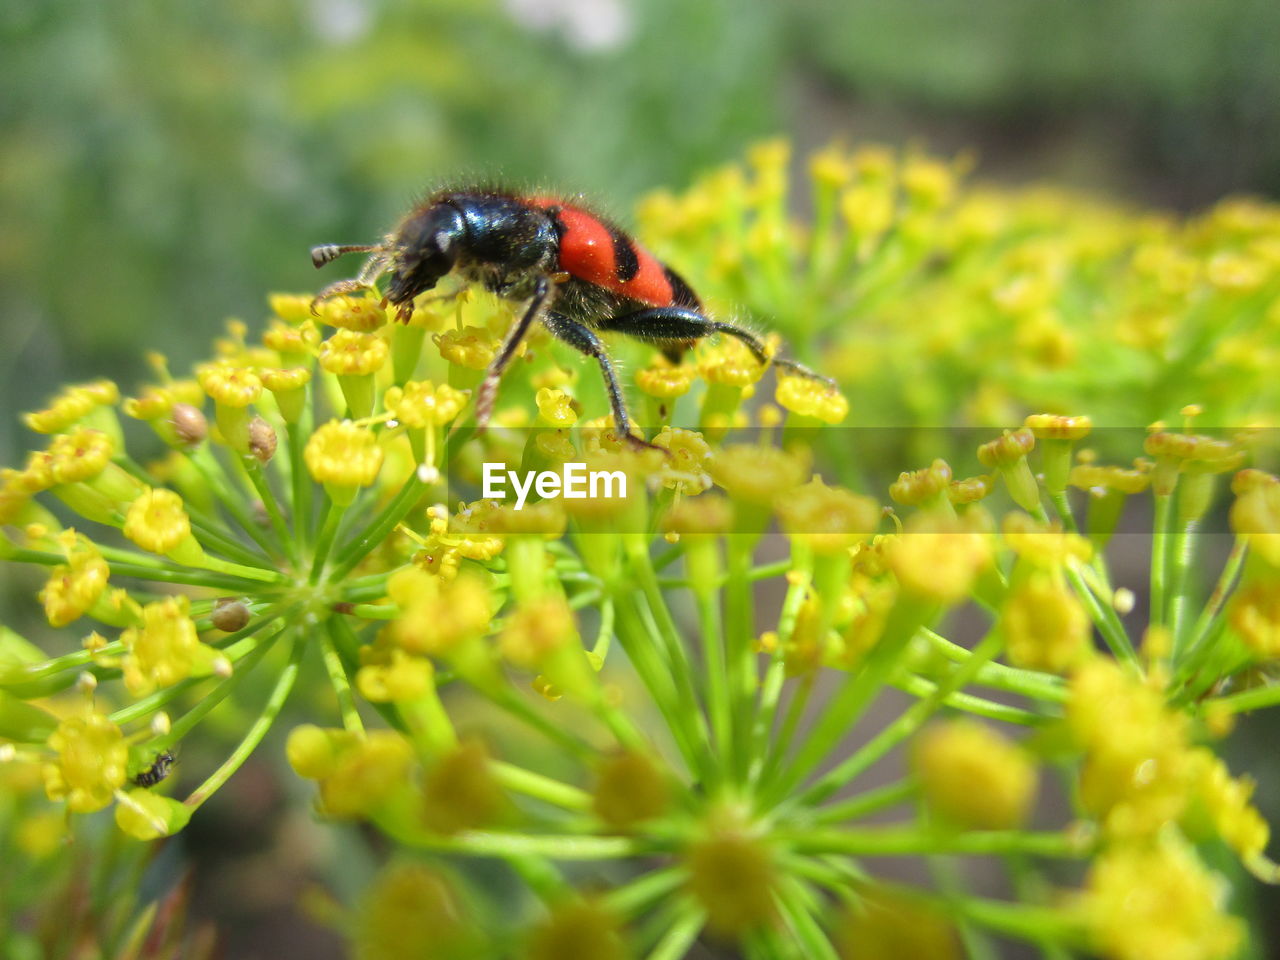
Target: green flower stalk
[(706, 763)]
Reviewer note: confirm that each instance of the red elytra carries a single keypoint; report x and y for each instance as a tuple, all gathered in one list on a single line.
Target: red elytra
[(587, 253)]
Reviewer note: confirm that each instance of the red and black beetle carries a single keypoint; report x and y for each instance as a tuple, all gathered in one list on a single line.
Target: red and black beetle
[(580, 275)]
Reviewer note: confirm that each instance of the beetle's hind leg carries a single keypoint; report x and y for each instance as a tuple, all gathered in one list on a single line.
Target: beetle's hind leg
[(675, 328)]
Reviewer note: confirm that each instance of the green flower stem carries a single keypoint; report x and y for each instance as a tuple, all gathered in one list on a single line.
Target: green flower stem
[(907, 723), (508, 700), (640, 650), (258, 730), (190, 577), (719, 708), (160, 565), (869, 802), (333, 515), (253, 469), (1196, 647), (678, 664), (1104, 617), (681, 934), (483, 843), (301, 483), (740, 644), (1182, 548), (380, 528), (604, 636), (257, 648), (853, 698), (1033, 924), (909, 840), (791, 898), (1253, 699), (762, 754), (765, 571), (946, 874), (638, 895), (376, 611), (969, 703), (1159, 558), (1028, 683), (1062, 506), (215, 476), (339, 680), (540, 787)]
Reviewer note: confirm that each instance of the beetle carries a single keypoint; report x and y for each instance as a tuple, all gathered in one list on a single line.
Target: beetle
[(580, 275), (158, 770)]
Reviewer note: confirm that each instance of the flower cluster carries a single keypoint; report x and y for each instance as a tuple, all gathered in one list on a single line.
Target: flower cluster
[(709, 760)]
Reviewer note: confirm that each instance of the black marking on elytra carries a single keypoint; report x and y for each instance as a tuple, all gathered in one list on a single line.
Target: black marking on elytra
[(626, 264), (682, 294)]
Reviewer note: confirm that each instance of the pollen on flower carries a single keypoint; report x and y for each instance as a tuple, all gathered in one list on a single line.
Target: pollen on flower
[(828, 519), (79, 456), (164, 648), (812, 398), (357, 314), (938, 557), (1144, 901), (72, 406), (472, 348), (974, 777), (555, 407), (756, 474), (157, 521), (74, 587), (421, 403), (1255, 616), (666, 381), (90, 764), (1045, 625), (343, 456), (229, 385), (353, 354)]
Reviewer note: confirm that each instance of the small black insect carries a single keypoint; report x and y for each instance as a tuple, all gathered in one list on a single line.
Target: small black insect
[(158, 770)]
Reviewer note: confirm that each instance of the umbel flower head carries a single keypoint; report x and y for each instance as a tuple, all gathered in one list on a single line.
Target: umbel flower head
[(713, 707)]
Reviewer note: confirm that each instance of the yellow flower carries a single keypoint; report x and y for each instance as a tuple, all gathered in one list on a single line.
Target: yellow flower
[(343, 457), (351, 354), (1145, 901), (666, 381), (1225, 801), (1045, 627), (460, 793), (685, 469), (358, 314), (411, 903), (555, 408), (368, 772), (578, 930), (228, 385), (91, 761), (388, 674), (730, 363), (1008, 453), (79, 456), (732, 875), (630, 788), (74, 587), (537, 631), (973, 777), (756, 474), (437, 616), (71, 406), (1048, 426), (293, 307), (938, 557), (158, 521), (1044, 546), (1255, 517), (294, 342), (471, 347), (828, 519), (811, 398), (922, 487), (164, 649), (420, 403), (1255, 615)]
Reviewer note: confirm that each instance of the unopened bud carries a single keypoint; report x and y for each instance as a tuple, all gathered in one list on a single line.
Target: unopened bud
[(230, 614), (262, 440), (189, 424)]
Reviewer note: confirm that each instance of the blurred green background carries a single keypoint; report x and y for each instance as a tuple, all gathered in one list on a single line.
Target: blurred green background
[(164, 165)]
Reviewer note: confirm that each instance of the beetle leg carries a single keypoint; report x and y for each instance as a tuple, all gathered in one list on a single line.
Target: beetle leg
[(488, 389)]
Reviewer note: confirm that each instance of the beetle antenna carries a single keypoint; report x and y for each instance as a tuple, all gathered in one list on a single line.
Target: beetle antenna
[(328, 252)]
